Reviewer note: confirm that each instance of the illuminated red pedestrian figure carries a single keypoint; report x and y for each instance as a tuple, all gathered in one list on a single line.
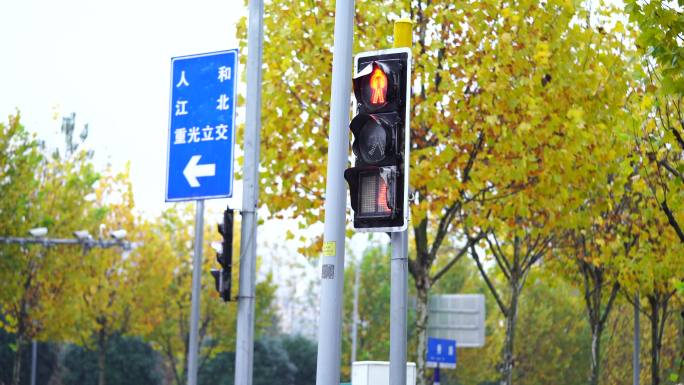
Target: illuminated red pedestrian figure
[(378, 83)]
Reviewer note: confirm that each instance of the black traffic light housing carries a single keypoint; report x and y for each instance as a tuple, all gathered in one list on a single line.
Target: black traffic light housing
[(223, 277), (378, 182)]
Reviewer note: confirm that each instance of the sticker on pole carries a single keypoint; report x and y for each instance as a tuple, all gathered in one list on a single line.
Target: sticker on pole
[(202, 126)]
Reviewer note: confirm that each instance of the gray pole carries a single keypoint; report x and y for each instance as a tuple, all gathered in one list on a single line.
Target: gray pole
[(244, 345), (355, 316), (196, 286), (332, 258), (636, 365), (398, 307), (34, 361)]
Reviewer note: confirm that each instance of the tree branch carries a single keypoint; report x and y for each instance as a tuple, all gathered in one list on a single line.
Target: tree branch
[(492, 289), (455, 259), (500, 258), (672, 220), (671, 169), (609, 305), (442, 229)]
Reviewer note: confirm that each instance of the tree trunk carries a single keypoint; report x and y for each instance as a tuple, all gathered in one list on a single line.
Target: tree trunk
[(422, 312), (508, 359), (596, 331), (681, 346), (101, 367), (101, 357), (16, 368), (655, 343)]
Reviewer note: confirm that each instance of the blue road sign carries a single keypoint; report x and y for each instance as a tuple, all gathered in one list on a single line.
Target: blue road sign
[(441, 352), (202, 126)]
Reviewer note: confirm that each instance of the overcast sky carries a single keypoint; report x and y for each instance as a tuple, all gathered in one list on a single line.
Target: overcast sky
[(109, 62)]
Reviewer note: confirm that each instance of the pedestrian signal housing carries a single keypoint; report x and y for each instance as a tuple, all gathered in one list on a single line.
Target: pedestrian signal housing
[(378, 182)]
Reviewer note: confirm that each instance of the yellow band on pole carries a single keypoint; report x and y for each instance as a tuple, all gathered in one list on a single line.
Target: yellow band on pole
[(403, 33)]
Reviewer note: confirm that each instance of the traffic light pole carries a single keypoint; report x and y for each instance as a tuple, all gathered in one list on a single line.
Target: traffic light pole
[(244, 346), (403, 37), (332, 258), (398, 307)]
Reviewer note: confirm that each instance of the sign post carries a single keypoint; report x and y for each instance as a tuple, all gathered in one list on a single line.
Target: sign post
[(440, 353), (200, 150)]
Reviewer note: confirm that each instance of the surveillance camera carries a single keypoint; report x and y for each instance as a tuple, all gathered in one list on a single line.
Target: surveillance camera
[(82, 235), (118, 234), (39, 232)]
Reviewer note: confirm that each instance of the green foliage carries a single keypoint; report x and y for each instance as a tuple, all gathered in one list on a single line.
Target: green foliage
[(129, 362), (273, 365), (374, 308), (302, 353), (661, 25), (47, 364), (283, 359)]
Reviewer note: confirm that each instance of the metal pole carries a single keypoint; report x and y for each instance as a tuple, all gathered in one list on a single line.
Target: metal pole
[(403, 37), (196, 286), (34, 361), (332, 258), (398, 307), (636, 365), (355, 319), (244, 345)]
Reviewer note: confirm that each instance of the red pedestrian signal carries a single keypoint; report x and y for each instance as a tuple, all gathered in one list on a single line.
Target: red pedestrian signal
[(378, 84)]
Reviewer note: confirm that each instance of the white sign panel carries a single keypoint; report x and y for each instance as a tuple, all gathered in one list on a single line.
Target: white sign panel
[(459, 317)]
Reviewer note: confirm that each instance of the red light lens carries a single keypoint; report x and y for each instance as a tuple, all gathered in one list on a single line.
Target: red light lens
[(378, 84), (382, 198), (373, 197)]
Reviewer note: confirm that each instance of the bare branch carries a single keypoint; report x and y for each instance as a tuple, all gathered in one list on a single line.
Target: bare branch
[(484, 275), (442, 229), (456, 258), (500, 258), (609, 305)]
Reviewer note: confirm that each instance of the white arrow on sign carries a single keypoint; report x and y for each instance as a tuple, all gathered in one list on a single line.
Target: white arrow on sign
[(193, 170)]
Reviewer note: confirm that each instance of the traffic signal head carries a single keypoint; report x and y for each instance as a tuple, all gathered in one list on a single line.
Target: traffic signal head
[(378, 182), (222, 277)]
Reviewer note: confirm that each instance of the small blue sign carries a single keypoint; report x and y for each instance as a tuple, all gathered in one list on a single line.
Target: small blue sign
[(441, 352), (202, 126)]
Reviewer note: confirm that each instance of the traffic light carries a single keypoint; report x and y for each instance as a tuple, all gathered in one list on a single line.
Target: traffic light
[(223, 276), (378, 182)]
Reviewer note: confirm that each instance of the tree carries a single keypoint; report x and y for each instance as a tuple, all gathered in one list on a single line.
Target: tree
[(607, 230), (39, 284), (661, 136), (654, 273), (20, 157)]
